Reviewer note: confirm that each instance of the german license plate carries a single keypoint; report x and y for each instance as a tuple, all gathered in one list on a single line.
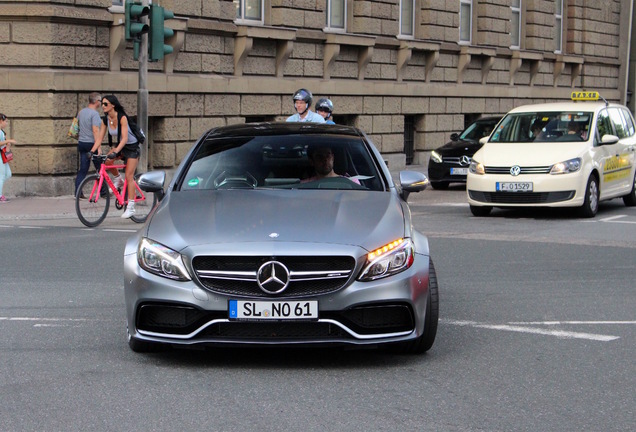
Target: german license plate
[(459, 171), (514, 186), (273, 310)]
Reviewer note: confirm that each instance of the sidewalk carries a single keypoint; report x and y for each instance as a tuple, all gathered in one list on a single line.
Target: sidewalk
[(23, 208)]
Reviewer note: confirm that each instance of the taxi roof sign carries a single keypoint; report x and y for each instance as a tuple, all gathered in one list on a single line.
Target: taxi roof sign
[(585, 96)]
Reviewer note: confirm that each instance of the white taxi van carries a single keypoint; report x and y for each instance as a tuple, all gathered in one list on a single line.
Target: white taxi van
[(570, 154)]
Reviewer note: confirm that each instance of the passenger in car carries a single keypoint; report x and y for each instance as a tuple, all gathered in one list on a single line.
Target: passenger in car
[(321, 159)]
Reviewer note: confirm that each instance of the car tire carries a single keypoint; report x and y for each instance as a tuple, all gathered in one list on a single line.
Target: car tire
[(440, 185), (142, 346), (425, 341), (630, 198), (590, 202), (480, 211)]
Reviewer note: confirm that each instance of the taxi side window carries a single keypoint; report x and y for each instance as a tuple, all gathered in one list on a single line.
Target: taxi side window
[(619, 122), (604, 126), (629, 121)]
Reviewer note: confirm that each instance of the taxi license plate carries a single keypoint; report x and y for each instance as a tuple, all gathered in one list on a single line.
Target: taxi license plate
[(514, 186), (273, 310), (459, 171)]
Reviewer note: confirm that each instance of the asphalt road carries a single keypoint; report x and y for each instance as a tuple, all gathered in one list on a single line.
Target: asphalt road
[(537, 333)]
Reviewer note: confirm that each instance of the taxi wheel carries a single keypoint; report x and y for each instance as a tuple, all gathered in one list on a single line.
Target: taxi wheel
[(630, 198), (480, 211), (590, 204)]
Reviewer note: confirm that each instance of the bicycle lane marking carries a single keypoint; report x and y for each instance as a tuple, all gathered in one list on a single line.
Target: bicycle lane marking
[(514, 327)]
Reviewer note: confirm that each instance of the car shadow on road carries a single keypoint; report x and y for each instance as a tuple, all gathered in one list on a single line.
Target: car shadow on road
[(284, 358)]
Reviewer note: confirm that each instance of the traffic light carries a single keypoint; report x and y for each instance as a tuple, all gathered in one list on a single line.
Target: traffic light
[(133, 25), (158, 33)]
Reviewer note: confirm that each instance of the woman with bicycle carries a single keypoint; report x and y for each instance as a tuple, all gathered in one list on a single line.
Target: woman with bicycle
[(115, 122)]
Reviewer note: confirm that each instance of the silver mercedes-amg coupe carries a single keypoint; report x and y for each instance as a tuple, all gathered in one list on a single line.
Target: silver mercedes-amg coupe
[(281, 234)]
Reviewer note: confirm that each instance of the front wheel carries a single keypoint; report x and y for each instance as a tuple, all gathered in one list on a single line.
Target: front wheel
[(144, 207), (424, 342), (90, 205), (590, 203), (630, 198)]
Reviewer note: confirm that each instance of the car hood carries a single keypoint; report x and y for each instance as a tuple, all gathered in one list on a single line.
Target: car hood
[(360, 218), (461, 146), (529, 154)]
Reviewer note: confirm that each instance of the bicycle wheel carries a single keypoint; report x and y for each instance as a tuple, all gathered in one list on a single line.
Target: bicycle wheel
[(144, 207), (91, 209)]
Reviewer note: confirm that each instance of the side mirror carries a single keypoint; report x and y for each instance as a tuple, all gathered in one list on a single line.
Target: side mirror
[(412, 181), (609, 139), (153, 181), (454, 136), (484, 140)]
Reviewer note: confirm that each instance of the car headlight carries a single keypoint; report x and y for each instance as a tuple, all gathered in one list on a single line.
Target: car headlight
[(160, 260), (476, 168), (569, 166), (436, 157), (388, 260)]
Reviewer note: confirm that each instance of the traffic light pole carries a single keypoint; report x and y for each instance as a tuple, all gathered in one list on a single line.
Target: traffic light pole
[(142, 95)]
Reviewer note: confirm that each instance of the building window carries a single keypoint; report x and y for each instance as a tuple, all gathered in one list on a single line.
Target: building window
[(407, 7), (465, 20), (336, 15), (250, 11), (409, 138), (118, 2), (515, 24), (558, 27)]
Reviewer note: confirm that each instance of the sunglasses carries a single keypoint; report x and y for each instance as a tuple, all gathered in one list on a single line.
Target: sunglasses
[(105, 104)]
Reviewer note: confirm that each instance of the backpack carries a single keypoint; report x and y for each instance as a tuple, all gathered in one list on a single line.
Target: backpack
[(136, 130), (132, 124)]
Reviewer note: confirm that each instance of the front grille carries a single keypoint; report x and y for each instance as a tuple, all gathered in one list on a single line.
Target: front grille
[(523, 170), (308, 275), (455, 160), (521, 197)]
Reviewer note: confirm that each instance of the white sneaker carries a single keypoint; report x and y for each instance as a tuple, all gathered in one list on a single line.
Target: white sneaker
[(130, 211), (119, 182)]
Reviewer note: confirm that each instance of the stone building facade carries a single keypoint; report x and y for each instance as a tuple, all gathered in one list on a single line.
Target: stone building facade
[(407, 72)]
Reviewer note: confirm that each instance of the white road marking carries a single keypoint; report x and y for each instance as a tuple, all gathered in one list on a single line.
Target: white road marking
[(44, 319), (611, 218), (523, 329), (119, 230), (32, 227), (572, 322)]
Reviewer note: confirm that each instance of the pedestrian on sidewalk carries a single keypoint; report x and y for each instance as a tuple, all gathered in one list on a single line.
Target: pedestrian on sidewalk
[(5, 171), (89, 124)]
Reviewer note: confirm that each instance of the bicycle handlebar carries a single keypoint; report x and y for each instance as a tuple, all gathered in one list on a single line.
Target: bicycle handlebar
[(103, 158)]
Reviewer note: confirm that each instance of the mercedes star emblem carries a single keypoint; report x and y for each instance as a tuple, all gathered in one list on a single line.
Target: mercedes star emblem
[(464, 160), (272, 277)]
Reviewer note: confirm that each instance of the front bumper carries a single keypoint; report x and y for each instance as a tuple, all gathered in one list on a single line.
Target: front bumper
[(362, 313), (565, 190)]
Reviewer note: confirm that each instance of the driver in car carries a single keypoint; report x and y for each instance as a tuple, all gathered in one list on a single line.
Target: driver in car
[(321, 159)]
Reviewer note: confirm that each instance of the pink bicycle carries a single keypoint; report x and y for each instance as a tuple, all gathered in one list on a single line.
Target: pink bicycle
[(92, 199)]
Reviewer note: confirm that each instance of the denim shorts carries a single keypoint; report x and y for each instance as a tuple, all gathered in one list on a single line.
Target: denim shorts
[(130, 151)]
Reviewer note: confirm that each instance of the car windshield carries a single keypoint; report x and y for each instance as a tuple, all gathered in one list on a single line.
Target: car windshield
[(561, 126), (477, 130), (291, 161)]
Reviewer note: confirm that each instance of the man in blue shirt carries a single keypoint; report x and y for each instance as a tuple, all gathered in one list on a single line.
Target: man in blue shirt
[(302, 102)]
